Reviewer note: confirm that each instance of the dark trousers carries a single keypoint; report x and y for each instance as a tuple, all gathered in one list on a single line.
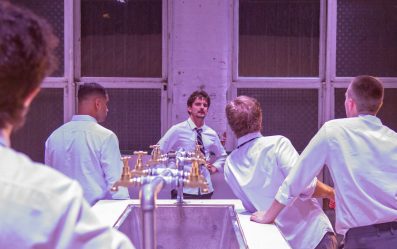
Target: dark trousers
[(377, 236), (328, 242), (174, 194)]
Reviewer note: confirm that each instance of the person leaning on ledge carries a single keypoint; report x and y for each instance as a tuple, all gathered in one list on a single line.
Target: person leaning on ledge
[(258, 166), (361, 154)]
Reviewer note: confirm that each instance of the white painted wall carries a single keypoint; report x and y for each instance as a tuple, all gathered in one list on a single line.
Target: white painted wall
[(200, 58)]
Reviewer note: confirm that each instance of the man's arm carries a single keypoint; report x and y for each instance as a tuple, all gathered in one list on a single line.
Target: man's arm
[(220, 157), (112, 166), (322, 190), (166, 142), (268, 217), (309, 164)]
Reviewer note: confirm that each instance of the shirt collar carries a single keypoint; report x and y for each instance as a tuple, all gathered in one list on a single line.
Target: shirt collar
[(84, 118), (192, 125), (371, 118), (248, 137), (3, 142)]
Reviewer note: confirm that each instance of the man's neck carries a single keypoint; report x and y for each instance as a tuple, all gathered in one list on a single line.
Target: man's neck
[(199, 122)]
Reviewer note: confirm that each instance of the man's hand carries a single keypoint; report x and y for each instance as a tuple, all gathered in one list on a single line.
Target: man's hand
[(211, 168), (260, 217), (322, 190), (268, 217), (331, 204)]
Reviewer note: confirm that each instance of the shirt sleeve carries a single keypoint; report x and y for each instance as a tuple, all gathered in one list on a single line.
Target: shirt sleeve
[(287, 157), (78, 226), (301, 180), (219, 154), (47, 159), (166, 142), (112, 166)]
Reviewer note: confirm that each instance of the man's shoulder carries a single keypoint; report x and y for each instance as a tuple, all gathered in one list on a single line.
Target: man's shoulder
[(86, 127), (60, 129), (36, 178), (339, 124), (104, 130), (177, 127), (209, 130), (274, 139)]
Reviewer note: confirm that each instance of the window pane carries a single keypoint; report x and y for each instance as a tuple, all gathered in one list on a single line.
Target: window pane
[(366, 38), (387, 113), (122, 39), (45, 115), (134, 115), (292, 113), (53, 12), (279, 38)]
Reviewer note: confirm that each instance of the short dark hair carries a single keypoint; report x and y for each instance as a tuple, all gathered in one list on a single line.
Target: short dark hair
[(89, 89), (26, 57), (198, 94), (244, 115), (367, 92)]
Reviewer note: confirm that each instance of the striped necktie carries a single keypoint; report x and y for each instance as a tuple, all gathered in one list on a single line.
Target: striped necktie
[(200, 140)]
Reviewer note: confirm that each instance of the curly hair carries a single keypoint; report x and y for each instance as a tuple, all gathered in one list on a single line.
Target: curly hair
[(244, 115), (198, 94), (26, 57)]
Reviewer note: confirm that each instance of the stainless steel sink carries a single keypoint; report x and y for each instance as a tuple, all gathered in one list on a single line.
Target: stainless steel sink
[(187, 227)]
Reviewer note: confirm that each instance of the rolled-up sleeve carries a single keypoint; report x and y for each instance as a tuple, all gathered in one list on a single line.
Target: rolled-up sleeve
[(301, 179)]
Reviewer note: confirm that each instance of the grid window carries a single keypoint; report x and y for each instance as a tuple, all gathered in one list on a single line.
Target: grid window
[(279, 38), (134, 115), (53, 12), (366, 38), (44, 116), (121, 38), (292, 113)]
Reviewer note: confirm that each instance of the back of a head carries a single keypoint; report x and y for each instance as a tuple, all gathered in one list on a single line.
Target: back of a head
[(26, 57), (87, 90), (198, 94), (244, 115), (367, 92)]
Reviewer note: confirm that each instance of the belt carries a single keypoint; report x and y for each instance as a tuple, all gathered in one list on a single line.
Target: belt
[(374, 229)]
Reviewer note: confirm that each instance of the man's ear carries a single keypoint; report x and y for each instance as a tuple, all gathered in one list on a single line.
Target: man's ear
[(97, 103), (28, 100)]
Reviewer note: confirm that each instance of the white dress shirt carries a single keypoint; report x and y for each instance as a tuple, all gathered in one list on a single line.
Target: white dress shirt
[(183, 136), (361, 155), (88, 152), (41, 208), (255, 171)]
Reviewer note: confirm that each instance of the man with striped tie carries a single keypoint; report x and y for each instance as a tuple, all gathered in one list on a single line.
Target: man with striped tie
[(186, 134)]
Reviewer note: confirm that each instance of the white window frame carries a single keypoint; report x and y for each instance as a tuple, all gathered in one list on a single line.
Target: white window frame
[(319, 83), (72, 65)]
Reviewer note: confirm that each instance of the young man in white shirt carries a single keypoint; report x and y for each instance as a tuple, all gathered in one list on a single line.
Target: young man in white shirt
[(40, 208), (361, 155), (86, 151), (186, 134), (258, 166)]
